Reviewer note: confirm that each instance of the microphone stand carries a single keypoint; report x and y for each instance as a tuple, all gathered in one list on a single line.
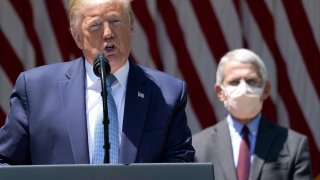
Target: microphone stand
[(101, 68)]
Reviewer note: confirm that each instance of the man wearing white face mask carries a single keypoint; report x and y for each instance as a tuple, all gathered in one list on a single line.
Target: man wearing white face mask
[(245, 145), (242, 100)]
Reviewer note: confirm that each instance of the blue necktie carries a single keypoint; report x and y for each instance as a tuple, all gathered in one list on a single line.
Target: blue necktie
[(113, 117), (98, 142)]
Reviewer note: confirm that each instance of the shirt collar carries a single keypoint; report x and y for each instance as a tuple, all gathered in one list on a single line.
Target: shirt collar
[(121, 74), (236, 126), (91, 77)]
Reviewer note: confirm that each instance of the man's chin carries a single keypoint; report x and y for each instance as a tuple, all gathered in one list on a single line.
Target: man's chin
[(116, 63)]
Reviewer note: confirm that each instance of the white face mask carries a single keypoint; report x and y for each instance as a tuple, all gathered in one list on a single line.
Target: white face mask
[(243, 101)]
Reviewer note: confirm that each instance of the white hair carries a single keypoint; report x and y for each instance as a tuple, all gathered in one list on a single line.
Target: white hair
[(241, 55)]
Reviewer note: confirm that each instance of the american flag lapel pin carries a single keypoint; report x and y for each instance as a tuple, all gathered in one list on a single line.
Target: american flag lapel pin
[(140, 95)]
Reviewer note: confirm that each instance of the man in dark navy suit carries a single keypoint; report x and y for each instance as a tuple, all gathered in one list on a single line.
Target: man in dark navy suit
[(54, 108)]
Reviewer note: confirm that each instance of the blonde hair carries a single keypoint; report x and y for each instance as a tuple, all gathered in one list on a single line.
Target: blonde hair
[(74, 7)]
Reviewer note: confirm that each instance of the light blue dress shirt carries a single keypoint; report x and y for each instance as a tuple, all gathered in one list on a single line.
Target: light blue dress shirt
[(235, 128), (93, 95)]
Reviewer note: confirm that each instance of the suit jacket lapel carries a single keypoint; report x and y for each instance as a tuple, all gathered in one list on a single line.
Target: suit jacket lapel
[(224, 150), (135, 111), (73, 97), (265, 138)]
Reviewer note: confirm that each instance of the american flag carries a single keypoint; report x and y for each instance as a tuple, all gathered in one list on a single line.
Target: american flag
[(186, 38)]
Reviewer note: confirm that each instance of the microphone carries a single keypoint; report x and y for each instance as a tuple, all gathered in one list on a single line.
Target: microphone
[(101, 68), (101, 59)]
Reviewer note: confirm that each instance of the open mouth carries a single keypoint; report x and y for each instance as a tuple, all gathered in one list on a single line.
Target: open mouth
[(110, 47)]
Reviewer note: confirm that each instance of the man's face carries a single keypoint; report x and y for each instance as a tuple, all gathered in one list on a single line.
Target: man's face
[(242, 90), (105, 27), (235, 72)]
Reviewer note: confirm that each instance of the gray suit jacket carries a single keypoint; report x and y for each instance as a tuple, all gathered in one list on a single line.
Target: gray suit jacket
[(280, 153)]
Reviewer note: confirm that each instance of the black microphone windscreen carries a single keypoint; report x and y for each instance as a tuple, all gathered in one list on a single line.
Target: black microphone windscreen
[(97, 65)]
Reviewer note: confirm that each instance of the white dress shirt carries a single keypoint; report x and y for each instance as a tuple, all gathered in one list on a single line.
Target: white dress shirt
[(235, 128), (94, 100)]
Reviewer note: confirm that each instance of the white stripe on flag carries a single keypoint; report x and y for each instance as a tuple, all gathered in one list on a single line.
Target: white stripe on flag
[(6, 89), (14, 31), (48, 41)]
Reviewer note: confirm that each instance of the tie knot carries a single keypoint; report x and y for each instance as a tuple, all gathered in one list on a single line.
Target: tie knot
[(245, 130), (110, 80)]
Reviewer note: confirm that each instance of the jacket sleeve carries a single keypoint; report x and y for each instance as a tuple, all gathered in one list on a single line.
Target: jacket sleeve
[(179, 143), (14, 135), (302, 169)]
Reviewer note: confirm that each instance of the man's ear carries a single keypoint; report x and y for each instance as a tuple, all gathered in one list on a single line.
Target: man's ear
[(219, 91), (266, 90), (76, 37)]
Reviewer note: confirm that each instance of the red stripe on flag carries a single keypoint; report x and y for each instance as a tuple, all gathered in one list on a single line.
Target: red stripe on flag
[(9, 60), (211, 28), (60, 25), (2, 117), (196, 91), (305, 39), (142, 13), (269, 110), (24, 10), (297, 120)]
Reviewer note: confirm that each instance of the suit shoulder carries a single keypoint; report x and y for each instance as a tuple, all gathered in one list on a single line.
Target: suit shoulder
[(287, 135), (50, 70), (295, 136), (206, 134), (159, 76), (285, 130), (166, 82)]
